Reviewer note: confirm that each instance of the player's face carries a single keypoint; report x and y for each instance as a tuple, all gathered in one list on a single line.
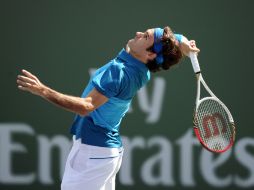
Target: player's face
[(141, 42)]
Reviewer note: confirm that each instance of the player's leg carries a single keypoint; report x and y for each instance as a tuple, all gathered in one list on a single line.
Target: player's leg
[(110, 184), (72, 153), (91, 168)]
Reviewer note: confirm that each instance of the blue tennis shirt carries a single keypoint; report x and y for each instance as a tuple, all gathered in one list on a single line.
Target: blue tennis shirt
[(119, 80)]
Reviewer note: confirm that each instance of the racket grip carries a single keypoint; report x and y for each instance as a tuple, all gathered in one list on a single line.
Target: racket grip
[(194, 61)]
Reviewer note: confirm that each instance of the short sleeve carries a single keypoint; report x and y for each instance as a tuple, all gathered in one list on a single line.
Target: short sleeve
[(108, 82)]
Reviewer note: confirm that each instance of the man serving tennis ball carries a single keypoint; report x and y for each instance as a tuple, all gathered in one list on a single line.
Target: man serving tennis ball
[(96, 155)]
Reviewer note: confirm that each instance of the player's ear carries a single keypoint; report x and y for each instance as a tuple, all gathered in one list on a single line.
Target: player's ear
[(151, 55)]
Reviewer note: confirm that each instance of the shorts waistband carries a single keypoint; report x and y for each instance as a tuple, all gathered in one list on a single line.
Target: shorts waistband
[(97, 151)]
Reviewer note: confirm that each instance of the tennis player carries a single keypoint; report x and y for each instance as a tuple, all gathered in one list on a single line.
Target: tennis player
[(96, 154)]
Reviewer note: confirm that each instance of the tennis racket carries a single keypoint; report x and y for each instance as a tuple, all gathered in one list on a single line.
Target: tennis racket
[(213, 124)]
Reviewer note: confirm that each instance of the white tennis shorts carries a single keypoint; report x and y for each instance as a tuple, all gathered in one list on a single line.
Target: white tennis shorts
[(91, 167)]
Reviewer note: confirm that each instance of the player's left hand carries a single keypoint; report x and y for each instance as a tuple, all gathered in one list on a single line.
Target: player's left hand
[(29, 82)]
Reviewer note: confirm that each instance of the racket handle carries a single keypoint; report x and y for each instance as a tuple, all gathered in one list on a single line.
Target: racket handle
[(194, 61)]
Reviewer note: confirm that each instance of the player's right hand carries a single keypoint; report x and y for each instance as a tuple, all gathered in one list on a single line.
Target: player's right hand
[(187, 46)]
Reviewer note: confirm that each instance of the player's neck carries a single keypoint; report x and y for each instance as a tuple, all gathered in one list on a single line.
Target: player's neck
[(133, 54)]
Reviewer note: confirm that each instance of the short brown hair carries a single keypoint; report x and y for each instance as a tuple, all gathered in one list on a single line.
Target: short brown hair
[(170, 51)]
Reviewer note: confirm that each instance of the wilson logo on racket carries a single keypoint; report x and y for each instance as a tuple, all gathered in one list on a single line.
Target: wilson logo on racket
[(215, 120)]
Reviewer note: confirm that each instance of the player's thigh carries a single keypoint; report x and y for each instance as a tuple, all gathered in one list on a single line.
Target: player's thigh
[(86, 171), (110, 183)]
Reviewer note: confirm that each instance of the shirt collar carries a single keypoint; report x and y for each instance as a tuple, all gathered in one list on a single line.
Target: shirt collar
[(130, 59)]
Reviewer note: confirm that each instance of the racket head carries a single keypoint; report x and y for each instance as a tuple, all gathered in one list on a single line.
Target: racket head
[(214, 125)]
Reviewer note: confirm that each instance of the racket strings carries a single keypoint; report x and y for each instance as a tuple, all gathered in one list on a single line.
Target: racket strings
[(214, 125)]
